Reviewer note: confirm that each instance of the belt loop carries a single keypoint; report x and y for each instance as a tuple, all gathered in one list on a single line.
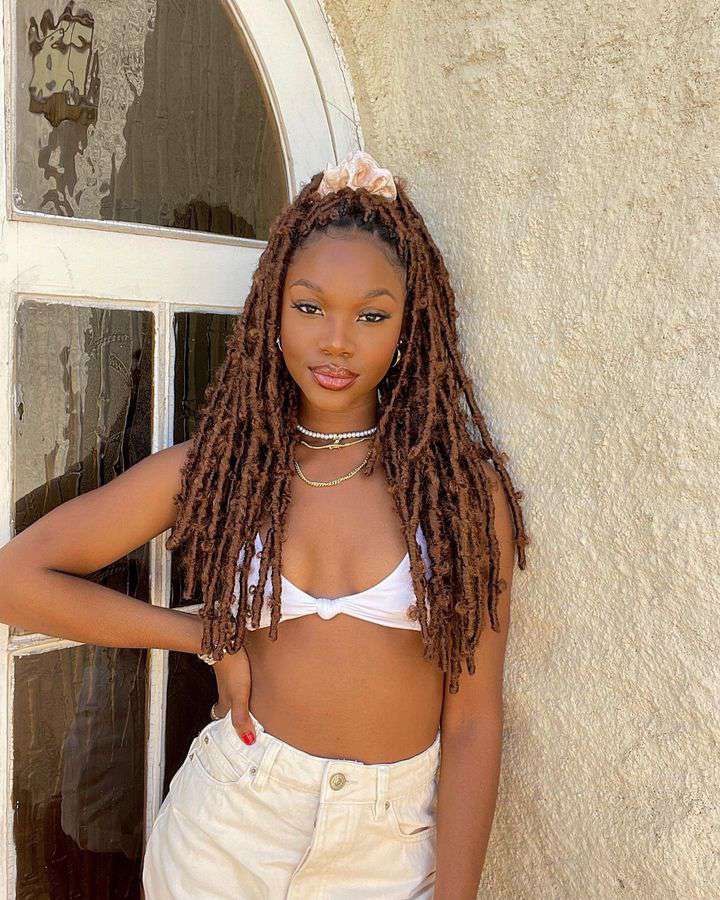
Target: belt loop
[(381, 786), (258, 725), (266, 764)]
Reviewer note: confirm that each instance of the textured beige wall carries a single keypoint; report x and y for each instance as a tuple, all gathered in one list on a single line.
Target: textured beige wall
[(565, 156)]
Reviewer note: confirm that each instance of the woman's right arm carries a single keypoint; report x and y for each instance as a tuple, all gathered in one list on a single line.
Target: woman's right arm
[(40, 568)]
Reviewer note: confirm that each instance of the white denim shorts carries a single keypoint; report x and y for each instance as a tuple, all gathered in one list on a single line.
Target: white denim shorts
[(271, 821)]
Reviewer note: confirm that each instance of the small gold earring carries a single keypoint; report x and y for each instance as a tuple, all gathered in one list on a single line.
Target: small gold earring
[(277, 341), (399, 354)]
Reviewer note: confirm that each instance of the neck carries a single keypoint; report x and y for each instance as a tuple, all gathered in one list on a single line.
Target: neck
[(337, 421)]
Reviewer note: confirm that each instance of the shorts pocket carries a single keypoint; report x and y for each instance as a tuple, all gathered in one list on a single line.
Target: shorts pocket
[(413, 818), (211, 762)]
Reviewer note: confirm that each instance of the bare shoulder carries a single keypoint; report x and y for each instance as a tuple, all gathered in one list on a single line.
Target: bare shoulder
[(491, 473), (503, 512), (89, 532)]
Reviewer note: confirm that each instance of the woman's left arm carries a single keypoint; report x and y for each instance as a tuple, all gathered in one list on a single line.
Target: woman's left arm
[(471, 736)]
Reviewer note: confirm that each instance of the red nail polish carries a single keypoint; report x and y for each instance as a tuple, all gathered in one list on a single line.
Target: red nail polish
[(248, 737)]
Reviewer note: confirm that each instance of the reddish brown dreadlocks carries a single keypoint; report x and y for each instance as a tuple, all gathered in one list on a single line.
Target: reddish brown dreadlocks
[(239, 465)]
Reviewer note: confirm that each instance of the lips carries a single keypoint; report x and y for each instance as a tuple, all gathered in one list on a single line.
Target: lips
[(333, 379), (335, 371)]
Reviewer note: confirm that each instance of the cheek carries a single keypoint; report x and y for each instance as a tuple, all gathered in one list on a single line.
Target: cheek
[(291, 334), (374, 350), (384, 350), (297, 346)]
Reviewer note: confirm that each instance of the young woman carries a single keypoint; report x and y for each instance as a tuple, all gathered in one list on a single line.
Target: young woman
[(351, 529)]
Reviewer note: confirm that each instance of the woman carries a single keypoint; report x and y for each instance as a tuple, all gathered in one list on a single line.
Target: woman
[(321, 773)]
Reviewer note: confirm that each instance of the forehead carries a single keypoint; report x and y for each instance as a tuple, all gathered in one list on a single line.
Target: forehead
[(331, 260)]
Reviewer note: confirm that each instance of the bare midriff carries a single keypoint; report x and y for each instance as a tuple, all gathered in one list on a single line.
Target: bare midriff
[(345, 688)]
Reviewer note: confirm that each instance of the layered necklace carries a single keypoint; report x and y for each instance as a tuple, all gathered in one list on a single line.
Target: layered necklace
[(336, 439)]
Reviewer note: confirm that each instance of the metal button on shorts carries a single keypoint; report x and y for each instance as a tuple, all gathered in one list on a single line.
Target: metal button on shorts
[(337, 781)]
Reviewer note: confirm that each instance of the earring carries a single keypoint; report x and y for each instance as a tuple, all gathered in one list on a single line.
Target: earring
[(399, 354), (277, 341)]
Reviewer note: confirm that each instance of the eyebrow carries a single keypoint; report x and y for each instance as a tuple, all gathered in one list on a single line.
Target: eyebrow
[(376, 292)]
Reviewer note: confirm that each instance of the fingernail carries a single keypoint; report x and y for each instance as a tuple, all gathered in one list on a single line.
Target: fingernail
[(248, 737)]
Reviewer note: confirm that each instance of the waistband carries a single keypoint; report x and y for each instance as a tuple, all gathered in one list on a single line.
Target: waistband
[(332, 780)]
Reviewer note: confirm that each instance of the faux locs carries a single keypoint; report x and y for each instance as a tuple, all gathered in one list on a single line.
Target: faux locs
[(239, 465)]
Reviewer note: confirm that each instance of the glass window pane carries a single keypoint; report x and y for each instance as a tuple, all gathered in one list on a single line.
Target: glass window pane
[(145, 111), (191, 691), (199, 348), (83, 412), (78, 772)]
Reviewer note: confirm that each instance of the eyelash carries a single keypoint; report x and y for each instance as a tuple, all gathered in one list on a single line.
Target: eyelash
[(306, 303)]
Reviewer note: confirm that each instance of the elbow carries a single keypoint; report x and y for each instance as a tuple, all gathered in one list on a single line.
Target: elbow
[(6, 589), (482, 727), (16, 575)]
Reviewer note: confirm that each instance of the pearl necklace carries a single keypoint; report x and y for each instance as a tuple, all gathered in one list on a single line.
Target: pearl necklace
[(338, 436)]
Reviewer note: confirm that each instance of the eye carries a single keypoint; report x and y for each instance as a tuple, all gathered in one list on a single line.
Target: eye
[(379, 317), (304, 303)]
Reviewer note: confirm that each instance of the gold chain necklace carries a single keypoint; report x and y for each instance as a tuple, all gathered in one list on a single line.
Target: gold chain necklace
[(334, 446), (335, 480)]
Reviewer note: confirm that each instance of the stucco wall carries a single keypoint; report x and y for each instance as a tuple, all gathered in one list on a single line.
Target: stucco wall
[(565, 157)]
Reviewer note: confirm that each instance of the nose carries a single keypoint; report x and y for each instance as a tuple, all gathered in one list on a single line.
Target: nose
[(336, 339)]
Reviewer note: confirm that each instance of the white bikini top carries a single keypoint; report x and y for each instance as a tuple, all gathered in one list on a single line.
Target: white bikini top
[(389, 602)]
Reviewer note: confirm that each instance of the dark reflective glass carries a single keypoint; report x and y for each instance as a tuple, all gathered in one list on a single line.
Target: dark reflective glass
[(191, 691), (199, 349), (83, 412), (78, 773), (147, 111)]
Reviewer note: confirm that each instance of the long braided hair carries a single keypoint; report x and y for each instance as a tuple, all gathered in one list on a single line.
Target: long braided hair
[(239, 464)]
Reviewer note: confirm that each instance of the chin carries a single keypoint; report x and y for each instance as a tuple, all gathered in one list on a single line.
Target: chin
[(330, 400)]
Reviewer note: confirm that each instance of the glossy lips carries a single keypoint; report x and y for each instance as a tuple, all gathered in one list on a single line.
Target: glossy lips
[(333, 382)]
